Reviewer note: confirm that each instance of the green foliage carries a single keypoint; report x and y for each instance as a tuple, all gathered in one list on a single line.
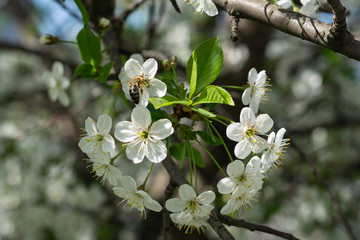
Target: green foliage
[(214, 94), (204, 112), (178, 151), (83, 11), (167, 101), (209, 138), (204, 65), (85, 70), (104, 72), (89, 46)]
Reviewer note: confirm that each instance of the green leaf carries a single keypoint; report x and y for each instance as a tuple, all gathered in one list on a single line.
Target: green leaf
[(85, 70), (197, 157), (193, 76), (167, 101), (209, 138), (178, 151), (104, 72), (214, 94), (83, 11), (89, 46), (204, 112), (208, 60)]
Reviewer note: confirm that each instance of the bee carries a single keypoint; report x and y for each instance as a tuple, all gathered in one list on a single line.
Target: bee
[(136, 86)]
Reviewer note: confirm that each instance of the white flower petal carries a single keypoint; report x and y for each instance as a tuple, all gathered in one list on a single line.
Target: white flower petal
[(261, 78), (125, 131), (156, 151), (206, 197), (152, 205), (161, 129), (133, 68), (90, 126), (235, 169), (210, 8), (279, 136), (263, 123), (175, 205), (137, 57), (157, 88), (150, 67), (271, 138), (108, 143), (225, 186), (144, 98), (235, 132), (253, 165), (254, 104), (260, 145), (64, 98), (252, 76), (104, 123), (141, 117), (246, 96), (204, 210), (128, 183), (242, 149), (247, 116), (135, 151), (186, 192)]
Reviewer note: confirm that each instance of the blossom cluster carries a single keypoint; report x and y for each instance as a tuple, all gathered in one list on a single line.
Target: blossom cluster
[(143, 138)]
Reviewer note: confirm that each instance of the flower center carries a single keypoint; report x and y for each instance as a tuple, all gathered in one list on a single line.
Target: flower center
[(99, 137), (250, 132), (241, 178), (144, 134)]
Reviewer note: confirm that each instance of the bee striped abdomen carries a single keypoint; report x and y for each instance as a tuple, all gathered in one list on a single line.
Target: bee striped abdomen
[(134, 93)]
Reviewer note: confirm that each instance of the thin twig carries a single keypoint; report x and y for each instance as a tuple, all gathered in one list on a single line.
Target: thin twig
[(254, 227), (338, 27), (175, 5), (336, 204), (69, 11)]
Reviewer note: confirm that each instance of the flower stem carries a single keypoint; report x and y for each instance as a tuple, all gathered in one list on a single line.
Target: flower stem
[(224, 118), (194, 166), (117, 155), (212, 157), (189, 157), (148, 175), (64, 41), (233, 87), (222, 141), (219, 121)]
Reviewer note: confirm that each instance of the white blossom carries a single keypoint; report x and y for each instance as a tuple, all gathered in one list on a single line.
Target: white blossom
[(57, 83), (144, 138), (107, 172), (97, 141), (135, 198), (284, 3), (201, 6), (309, 7), (241, 176), (190, 211), (241, 199), (272, 155), (141, 73), (256, 92), (248, 132)]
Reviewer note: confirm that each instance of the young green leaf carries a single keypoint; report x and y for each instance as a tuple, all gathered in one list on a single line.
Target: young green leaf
[(83, 11), (208, 60), (85, 70), (209, 139), (167, 101), (204, 112), (89, 46), (178, 151), (104, 72), (214, 94)]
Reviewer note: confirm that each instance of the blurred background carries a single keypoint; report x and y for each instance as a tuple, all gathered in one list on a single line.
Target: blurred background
[(46, 188)]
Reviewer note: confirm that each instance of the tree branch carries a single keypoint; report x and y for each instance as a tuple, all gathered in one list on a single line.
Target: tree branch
[(292, 23), (254, 227), (338, 28)]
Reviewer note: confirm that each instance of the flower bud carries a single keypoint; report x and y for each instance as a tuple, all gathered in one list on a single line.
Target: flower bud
[(166, 65), (173, 61), (48, 39), (104, 23)]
